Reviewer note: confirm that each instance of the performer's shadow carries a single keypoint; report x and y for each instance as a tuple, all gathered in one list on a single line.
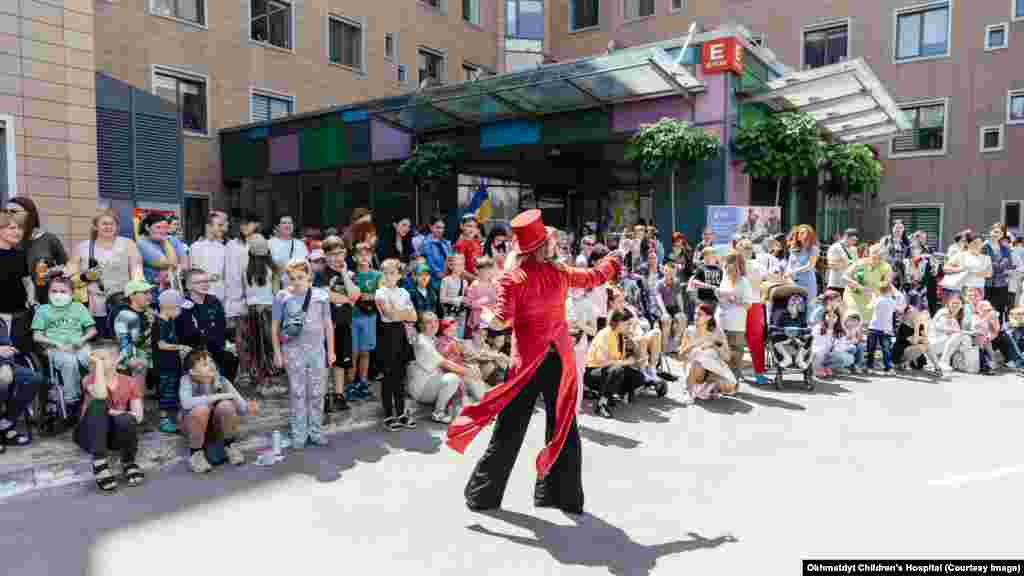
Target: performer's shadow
[(595, 543)]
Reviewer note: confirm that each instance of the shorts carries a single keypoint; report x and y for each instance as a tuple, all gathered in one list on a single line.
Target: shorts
[(364, 333), (343, 345)]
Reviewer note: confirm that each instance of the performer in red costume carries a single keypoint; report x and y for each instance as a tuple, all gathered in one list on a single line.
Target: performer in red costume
[(531, 300)]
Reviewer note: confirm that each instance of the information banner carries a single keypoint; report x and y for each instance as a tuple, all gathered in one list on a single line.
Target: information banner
[(754, 222), (887, 567)]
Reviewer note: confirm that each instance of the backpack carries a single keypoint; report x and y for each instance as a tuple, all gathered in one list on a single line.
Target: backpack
[(294, 320)]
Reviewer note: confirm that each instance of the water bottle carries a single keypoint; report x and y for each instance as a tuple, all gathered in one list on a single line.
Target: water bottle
[(277, 443)]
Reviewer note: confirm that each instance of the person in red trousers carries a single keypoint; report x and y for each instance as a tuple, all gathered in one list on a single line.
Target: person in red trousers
[(755, 314)]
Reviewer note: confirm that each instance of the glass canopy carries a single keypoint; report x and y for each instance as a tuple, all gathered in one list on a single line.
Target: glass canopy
[(846, 99), (629, 74)]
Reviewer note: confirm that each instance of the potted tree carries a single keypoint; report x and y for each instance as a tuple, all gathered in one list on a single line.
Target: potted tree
[(430, 162)]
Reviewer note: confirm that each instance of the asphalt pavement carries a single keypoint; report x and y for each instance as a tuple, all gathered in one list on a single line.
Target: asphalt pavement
[(888, 467)]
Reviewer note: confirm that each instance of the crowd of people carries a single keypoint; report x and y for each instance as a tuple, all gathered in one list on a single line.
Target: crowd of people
[(91, 333)]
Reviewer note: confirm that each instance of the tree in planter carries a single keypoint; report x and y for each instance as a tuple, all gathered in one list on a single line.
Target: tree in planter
[(430, 162), (669, 143), (783, 145), (856, 165)]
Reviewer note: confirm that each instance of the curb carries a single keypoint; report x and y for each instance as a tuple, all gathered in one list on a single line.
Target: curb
[(158, 451)]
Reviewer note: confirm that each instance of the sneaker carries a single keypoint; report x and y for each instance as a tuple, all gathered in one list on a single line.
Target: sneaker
[(198, 463), (441, 417), (235, 455), (391, 424), (760, 380), (1012, 365), (944, 368), (407, 421), (821, 373), (167, 425)]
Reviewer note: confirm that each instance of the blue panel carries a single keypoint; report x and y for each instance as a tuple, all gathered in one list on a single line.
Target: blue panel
[(258, 133), (509, 133), (112, 93), (359, 115)]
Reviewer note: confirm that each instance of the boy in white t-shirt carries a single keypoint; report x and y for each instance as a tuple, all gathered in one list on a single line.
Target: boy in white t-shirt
[(880, 331)]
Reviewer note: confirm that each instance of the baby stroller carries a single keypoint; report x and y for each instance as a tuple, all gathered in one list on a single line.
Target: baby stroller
[(799, 336)]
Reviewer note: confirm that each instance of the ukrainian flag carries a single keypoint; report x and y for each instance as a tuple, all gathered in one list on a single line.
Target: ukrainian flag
[(480, 204)]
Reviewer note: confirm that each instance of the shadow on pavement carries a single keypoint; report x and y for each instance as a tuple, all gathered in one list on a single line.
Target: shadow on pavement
[(821, 387), (725, 405), (646, 408), (603, 438), (768, 401), (592, 542), (371, 445)]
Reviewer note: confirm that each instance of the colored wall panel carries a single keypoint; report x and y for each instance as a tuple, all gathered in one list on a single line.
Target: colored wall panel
[(696, 188), (585, 126), (629, 116), (357, 143), (389, 143), (321, 148), (509, 133), (284, 154), (712, 103), (349, 116)]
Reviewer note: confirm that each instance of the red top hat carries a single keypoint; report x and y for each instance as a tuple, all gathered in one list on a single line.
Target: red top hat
[(529, 229)]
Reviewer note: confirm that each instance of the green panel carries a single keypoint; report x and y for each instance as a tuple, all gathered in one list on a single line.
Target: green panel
[(242, 157), (752, 113), (755, 75), (697, 187), (585, 126), (321, 148)]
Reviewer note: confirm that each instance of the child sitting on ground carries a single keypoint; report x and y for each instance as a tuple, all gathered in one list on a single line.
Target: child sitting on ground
[(854, 328), (985, 325), (454, 350), (1013, 335), (830, 351), (912, 346), (790, 337), (488, 360)]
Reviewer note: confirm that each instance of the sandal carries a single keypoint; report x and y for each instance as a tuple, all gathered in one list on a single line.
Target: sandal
[(133, 474), (105, 479)]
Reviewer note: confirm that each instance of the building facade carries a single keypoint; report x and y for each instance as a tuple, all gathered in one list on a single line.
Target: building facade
[(47, 111), (950, 64)]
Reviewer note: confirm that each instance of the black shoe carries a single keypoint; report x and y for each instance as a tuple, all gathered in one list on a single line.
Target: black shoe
[(340, 404), (603, 411), (477, 507)]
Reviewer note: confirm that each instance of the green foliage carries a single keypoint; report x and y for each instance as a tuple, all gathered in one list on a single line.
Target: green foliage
[(430, 162), (856, 164), (667, 143), (783, 145)]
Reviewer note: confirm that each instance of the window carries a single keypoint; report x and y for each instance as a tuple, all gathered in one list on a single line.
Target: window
[(677, 5), (826, 45), (188, 93), (1018, 10), (922, 32), (188, 10), (402, 76), (991, 138), (471, 11), (583, 14), (434, 3), (925, 217), (265, 106), (346, 43), (1011, 215), (470, 73), (271, 23), (389, 46), (431, 66), (927, 137), (521, 54), (8, 166), (524, 19), (1015, 107), (996, 36), (633, 9)]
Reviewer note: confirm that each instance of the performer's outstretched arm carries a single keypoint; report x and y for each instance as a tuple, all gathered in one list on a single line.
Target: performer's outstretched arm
[(589, 278)]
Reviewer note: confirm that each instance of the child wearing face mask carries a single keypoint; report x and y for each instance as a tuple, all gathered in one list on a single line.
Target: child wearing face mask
[(62, 328)]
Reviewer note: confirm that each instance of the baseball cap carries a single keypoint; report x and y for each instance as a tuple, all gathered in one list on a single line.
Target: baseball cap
[(136, 286)]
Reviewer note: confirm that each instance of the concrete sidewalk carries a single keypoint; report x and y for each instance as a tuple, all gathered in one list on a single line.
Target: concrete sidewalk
[(57, 461)]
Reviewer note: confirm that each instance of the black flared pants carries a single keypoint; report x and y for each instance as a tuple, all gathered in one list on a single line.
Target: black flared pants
[(562, 487)]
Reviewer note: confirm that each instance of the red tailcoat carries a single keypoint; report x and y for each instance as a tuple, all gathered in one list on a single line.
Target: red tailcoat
[(532, 299)]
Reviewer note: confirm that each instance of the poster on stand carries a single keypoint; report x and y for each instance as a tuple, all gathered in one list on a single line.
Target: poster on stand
[(754, 222)]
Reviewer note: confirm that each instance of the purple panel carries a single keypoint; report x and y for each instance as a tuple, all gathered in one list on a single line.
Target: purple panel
[(284, 154), (711, 104), (628, 116), (389, 143)]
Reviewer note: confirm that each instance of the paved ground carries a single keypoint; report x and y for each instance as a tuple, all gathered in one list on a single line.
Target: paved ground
[(884, 467)]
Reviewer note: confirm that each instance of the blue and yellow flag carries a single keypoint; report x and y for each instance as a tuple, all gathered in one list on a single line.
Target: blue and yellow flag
[(480, 203)]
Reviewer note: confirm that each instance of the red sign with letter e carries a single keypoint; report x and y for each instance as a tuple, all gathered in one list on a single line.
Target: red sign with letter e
[(722, 55)]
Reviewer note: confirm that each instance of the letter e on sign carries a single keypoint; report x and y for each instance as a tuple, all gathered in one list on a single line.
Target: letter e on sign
[(722, 55)]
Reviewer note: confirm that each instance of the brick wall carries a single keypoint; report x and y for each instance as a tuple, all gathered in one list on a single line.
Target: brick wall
[(47, 84)]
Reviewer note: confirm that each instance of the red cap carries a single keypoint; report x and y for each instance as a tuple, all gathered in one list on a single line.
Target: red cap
[(446, 323), (529, 229)]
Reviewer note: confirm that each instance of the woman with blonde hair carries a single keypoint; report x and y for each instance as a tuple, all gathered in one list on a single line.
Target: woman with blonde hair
[(803, 259), (103, 265)]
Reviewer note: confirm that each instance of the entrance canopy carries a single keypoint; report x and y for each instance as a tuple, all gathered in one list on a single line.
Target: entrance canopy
[(630, 74), (846, 99)]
